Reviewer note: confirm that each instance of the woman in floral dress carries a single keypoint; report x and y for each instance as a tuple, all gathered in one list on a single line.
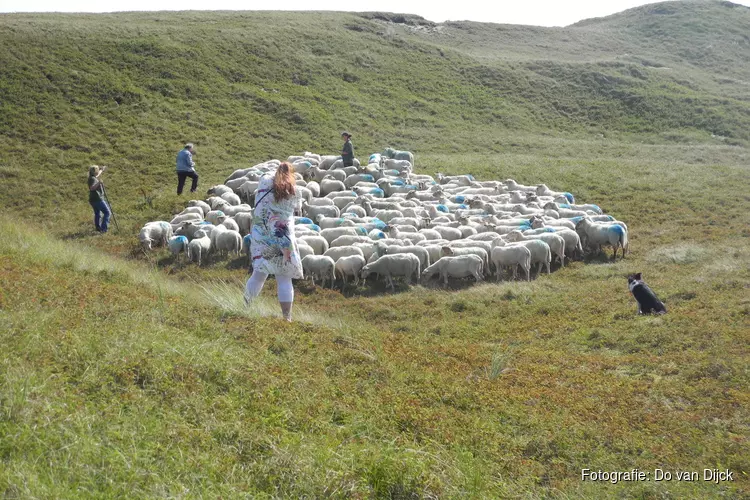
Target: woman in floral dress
[(273, 246)]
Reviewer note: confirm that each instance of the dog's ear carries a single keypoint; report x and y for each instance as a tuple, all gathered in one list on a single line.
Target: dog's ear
[(638, 276)]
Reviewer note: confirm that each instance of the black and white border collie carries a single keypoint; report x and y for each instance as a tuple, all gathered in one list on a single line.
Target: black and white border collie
[(648, 302)]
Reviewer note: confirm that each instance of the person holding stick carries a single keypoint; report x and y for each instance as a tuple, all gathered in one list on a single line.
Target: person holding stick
[(186, 168), (102, 211)]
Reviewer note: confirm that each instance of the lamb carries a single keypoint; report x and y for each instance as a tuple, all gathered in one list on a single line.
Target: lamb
[(199, 247), (350, 266), (404, 264), (229, 241), (313, 211), (603, 233), (178, 245), (155, 234), (456, 267), (511, 255)]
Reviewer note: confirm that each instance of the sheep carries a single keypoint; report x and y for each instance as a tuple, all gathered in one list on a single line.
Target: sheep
[(319, 266), (244, 222), (348, 240), (543, 190), (603, 233), (449, 233), (232, 210), (155, 233), (540, 252), (216, 217), (303, 249), (420, 252), (332, 234), (316, 242), (456, 267), (328, 186), (555, 242), (193, 210), (478, 251), (177, 245), (202, 204), (199, 247), (219, 190), (228, 241), (511, 255), (314, 188), (338, 252), (368, 249), (404, 264), (398, 155), (178, 219), (231, 224), (313, 211), (350, 266)]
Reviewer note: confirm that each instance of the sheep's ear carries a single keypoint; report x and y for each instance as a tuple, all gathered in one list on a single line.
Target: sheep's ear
[(638, 276)]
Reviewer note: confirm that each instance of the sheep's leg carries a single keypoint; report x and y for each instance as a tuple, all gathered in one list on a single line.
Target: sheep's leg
[(548, 271), (389, 278), (562, 259), (497, 274), (539, 268)]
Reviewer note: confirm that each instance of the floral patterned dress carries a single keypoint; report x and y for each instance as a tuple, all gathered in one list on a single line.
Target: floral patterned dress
[(273, 245)]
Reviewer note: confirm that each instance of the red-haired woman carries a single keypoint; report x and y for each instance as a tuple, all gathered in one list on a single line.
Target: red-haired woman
[(273, 246)]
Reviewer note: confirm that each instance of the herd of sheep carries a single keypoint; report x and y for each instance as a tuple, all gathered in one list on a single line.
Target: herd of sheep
[(386, 220)]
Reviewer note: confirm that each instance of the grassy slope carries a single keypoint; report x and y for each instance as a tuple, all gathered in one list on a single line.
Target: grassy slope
[(496, 391)]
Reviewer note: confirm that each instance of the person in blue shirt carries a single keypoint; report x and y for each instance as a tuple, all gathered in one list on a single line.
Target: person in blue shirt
[(186, 168)]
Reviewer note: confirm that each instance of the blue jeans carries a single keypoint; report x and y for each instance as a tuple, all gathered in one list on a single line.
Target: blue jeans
[(101, 210)]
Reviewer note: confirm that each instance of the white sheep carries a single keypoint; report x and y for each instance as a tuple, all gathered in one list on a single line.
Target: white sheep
[(478, 251), (202, 204), (555, 242), (199, 247), (421, 253), (511, 256), (155, 233), (178, 219), (456, 267), (350, 266), (216, 217), (231, 224), (229, 241), (403, 264), (316, 242), (338, 252), (319, 266), (540, 252)]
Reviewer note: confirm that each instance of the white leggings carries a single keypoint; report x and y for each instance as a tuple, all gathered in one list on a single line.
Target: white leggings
[(284, 288)]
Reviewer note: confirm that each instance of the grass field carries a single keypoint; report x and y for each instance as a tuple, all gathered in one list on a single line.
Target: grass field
[(131, 375)]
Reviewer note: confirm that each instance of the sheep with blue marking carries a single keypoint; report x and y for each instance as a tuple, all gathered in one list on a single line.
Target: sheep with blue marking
[(178, 245), (598, 234)]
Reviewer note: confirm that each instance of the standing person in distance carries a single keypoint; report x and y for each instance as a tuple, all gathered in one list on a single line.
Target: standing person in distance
[(347, 153), (273, 247), (96, 199), (186, 168)]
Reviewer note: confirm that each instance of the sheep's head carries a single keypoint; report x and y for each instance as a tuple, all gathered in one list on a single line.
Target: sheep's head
[(514, 235), (550, 206), (446, 250), (536, 223)]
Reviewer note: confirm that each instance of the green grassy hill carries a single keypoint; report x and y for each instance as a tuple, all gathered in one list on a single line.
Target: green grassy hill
[(130, 375)]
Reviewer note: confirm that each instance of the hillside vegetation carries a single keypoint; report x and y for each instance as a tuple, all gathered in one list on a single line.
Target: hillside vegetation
[(131, 375)]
